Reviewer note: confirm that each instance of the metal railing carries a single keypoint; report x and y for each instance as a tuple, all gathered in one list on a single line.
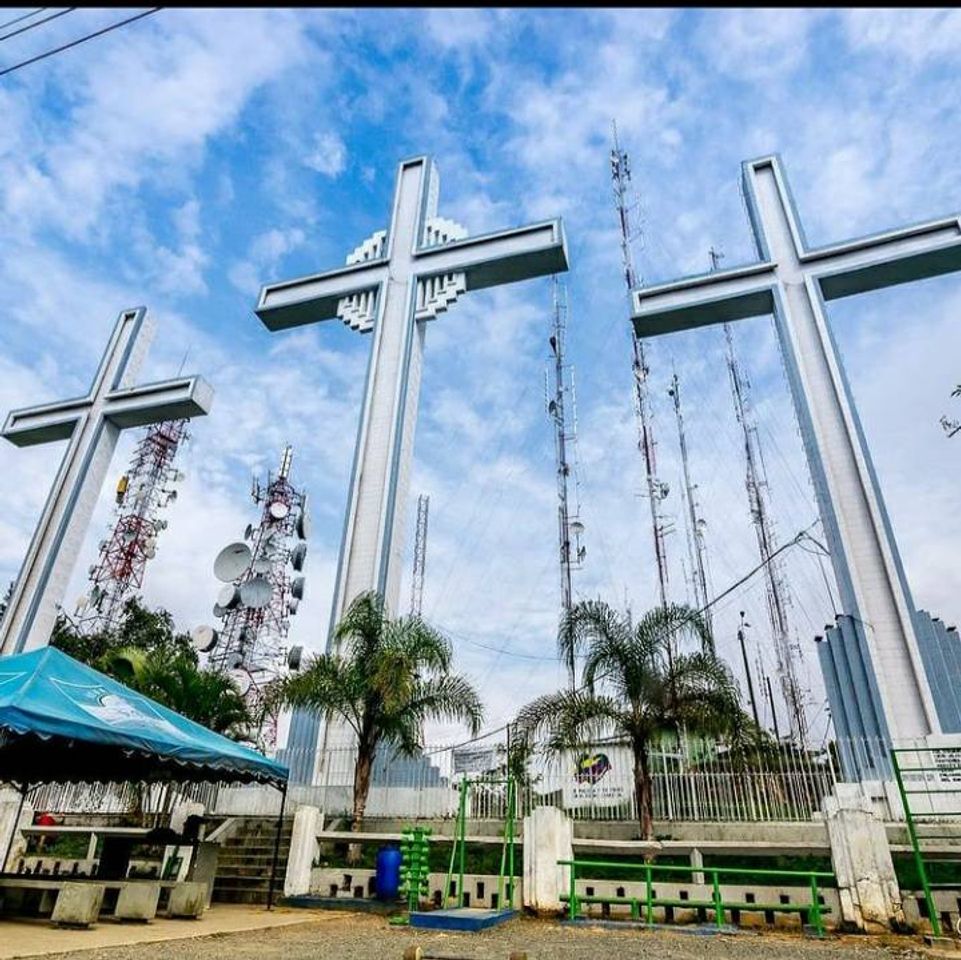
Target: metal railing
[(717, 903)]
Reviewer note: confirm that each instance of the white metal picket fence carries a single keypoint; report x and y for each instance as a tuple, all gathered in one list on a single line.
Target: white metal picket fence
[(693, 782)]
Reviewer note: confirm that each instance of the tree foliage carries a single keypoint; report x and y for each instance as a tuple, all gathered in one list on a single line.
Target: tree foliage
[(146, 653), (640, 686)]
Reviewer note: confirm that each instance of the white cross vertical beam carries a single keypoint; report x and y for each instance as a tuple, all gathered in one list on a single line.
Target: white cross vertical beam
[(91, 425), (400, 274), (793, 282)]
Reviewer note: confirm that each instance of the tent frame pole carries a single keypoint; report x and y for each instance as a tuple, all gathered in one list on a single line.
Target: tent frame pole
[(24, 790), (273, 866)]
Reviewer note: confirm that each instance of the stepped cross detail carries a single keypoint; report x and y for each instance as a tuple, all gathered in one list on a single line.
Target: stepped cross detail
[(888, 685), (391, 286), (92, 425)]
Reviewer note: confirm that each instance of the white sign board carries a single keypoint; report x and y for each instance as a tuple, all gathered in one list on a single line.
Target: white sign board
[(598, 778)]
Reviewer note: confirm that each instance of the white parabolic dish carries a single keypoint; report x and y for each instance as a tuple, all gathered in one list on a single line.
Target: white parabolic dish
[(255, 593), (232, 561)]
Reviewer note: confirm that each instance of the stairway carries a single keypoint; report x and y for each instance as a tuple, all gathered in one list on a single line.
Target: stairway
[(243, 867)]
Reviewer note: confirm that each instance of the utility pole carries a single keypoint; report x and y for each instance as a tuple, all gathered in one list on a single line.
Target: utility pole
[(569, 526), (696, 523), (643, 413), (420, 556), (787, 651)]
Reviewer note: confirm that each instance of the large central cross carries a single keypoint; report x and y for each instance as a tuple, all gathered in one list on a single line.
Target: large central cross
[(92, 425), (393, 283), (792, 281)]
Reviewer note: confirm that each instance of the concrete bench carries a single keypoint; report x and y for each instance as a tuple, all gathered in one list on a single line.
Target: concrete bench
[(78, 904), (187, 900)]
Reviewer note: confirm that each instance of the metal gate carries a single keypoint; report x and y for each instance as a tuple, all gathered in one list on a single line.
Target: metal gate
[(929, 781)]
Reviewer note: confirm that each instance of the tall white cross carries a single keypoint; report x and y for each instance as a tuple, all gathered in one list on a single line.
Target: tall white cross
[(792, 281), (392, 284), (92, 425)]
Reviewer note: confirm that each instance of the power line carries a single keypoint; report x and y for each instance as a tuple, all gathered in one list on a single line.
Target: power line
[(23, 16), (38, 23), (78, 41), (795, 541)]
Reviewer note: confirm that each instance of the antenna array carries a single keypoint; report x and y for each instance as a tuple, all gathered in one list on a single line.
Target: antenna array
[(143, 492)]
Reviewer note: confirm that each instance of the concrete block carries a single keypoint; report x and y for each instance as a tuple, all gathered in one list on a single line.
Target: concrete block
[(548, 837), (187, 900), (13, 818), (203, 867), (868, 888), (137, 901), (303, 851), (78, 904)]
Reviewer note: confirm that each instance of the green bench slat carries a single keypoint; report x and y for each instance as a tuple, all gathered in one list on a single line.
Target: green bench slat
[(709, 904)]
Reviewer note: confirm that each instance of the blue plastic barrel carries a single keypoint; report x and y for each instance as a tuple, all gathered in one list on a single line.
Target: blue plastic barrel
[(387, 877)]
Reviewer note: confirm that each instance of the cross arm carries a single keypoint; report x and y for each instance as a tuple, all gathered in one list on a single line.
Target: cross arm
[(45, 423), (313, 298), (503, 257), (155, 402), (886, 259), (699, 301)]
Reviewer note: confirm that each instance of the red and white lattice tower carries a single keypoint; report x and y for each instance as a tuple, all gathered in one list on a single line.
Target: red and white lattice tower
[(263, 587), (142, 493)]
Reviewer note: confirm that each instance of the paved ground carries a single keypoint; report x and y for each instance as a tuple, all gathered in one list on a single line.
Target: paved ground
[(361, 937)]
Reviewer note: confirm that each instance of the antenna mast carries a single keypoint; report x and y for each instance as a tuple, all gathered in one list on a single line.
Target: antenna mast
[(259, 596), (420, 556), (569, 525), (656, 490), (696, 523), (142, 493), (787, 650)]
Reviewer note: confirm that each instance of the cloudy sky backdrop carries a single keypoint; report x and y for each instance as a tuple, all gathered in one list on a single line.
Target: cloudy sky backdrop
[(184, 160)]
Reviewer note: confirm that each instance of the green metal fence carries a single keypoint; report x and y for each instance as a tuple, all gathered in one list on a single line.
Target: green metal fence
[(929, 781), (809, 878)]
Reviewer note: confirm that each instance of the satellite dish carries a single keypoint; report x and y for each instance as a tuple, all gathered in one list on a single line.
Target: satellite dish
[(228, 597), (92, 570), (234, 660), (577, 528), (129, 535), (292, 604), (297, 588), (149, 551), (294, 657), (278, 509), (232, 561), (261, 565), (249, 532), (298, 555), (160, 524), (241, 677), (219, 611), (303, 524), (204, 639), (256, 593)]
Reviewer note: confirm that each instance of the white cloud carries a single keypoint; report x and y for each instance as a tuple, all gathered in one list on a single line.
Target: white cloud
[(328, 156)]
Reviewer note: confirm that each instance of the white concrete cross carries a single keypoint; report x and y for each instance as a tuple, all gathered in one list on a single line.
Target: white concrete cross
[(392, 284), (92, 425), (792, 282)]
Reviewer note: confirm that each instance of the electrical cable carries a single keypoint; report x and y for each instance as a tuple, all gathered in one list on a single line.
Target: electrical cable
[(23, 16), (78, 41), (37, 23)]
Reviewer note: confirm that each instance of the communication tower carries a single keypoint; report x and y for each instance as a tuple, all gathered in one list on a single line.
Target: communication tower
[(560, 397), (263, 587), (787, 649), (143, 492), (695, 522), (657, 490)]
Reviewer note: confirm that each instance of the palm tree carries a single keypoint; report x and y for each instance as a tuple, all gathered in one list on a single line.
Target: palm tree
[(638, 686), (207, 697), (387, 678)]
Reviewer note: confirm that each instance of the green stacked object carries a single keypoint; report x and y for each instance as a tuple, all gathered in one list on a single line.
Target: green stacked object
[(414, 865)]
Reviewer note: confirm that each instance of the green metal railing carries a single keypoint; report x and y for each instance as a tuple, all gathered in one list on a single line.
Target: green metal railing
[(717, 903), (941, 771)]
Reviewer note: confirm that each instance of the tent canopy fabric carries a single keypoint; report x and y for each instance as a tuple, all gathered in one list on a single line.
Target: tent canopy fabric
[(62, 721)]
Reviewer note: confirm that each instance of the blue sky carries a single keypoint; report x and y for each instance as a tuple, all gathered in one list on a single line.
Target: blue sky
[(184, 160)]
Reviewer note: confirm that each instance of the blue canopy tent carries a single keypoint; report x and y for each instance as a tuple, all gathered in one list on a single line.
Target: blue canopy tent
[(63, 721)]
